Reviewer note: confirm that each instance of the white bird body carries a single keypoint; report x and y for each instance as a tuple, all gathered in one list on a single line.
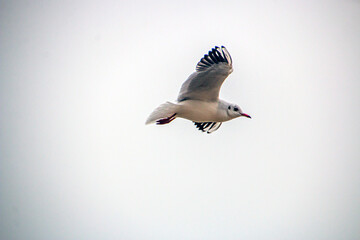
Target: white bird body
[(201, 111), (198, 100)]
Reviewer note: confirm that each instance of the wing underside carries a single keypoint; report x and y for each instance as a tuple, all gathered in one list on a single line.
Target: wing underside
[(207, 127)]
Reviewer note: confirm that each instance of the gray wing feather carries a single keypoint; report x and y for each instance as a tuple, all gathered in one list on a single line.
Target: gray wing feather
[(211, 71)]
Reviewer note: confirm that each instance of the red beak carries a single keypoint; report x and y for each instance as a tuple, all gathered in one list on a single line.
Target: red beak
[(245, 115)]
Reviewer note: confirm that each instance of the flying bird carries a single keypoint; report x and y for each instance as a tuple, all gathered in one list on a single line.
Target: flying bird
[(198, 100)]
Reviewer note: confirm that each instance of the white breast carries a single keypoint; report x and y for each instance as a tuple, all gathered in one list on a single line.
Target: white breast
[(201, 111)]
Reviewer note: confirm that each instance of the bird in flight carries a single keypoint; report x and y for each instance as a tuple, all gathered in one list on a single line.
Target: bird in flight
[(198, 100)]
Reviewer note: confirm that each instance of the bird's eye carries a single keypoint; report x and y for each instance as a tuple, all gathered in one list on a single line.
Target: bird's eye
[(236, 109), (229, 107)]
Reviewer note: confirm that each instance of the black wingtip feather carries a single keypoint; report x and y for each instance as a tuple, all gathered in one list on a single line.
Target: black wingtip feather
[(211, 55), (208, 59), (207, 127), (215, 56), (205, 62)]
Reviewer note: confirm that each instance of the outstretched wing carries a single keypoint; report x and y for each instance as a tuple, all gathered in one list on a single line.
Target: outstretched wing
[(208, 127), (211, 71)]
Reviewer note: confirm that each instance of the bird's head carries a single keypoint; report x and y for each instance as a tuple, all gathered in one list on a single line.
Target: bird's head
[(235, 111)]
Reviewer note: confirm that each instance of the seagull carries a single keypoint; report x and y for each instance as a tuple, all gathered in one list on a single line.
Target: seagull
[(198, 100)]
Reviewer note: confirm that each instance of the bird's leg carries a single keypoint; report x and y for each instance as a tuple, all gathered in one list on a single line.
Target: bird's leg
[(166, 120)]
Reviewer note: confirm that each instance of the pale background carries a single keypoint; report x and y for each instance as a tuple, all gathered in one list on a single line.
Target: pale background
[(79, 78)]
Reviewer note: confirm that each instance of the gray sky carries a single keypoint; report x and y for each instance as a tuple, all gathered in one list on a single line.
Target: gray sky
[(79, 78)]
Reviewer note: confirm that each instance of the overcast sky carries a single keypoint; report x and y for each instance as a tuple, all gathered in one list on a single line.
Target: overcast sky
[(79, 78)]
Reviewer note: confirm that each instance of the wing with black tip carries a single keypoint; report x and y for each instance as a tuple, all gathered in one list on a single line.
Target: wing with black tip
[(211, 71), (208, 127)]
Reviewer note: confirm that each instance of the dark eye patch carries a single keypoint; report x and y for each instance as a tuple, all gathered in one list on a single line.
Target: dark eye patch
[(229, 107), (236, 109)]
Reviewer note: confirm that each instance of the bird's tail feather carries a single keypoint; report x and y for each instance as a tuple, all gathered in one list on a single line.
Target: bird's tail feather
[(163, 114)]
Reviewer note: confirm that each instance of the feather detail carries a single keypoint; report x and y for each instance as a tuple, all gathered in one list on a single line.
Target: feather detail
[(215, 56), (208, 127)]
